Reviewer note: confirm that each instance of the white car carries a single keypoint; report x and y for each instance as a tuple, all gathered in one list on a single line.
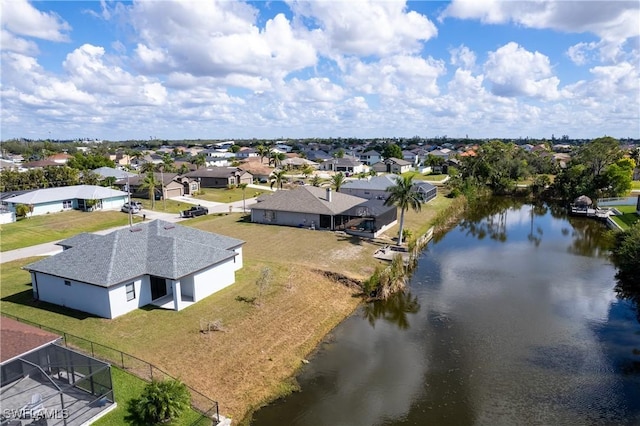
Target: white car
[(126, 208)]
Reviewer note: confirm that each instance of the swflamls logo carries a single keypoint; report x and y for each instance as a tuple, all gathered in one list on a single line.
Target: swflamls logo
[(41, 413)]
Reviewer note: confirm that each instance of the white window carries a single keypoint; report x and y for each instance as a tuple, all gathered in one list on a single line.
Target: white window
[(131, 291), (67, 204)]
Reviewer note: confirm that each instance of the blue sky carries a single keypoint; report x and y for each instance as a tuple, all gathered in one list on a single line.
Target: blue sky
[(234, 70)]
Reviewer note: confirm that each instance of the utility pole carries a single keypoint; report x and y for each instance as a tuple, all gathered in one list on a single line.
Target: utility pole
[(129, 196)]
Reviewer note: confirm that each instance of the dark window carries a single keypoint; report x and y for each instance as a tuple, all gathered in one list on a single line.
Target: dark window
[(67, 282), (131, 291), (67, 204)]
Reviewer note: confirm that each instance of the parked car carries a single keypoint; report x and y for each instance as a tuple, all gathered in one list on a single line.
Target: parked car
[(130, 208), (195, 211)]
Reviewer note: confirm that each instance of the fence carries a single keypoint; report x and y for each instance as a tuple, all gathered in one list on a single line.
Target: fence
[(204, 405)]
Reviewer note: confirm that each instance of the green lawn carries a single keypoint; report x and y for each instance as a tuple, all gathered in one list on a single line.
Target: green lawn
[(629, 217), (127, 387), (167, 206), (419, 176), (57, 226), (223, 195), (635, 184)]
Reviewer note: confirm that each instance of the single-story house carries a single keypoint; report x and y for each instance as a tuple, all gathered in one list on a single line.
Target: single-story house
[(298, 162), (41, 164), (392, 165), (40, 376), (320, 208), (79, 197), (376, 187), (347, 165), (110, 172), (220, 177), (157, 262), (173, 185), (258, 170)]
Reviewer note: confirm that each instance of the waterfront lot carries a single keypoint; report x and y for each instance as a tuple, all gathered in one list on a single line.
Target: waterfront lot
[(253, 360)]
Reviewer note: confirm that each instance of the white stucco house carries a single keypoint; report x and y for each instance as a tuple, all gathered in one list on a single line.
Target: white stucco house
[(79, 197), (159, 263)]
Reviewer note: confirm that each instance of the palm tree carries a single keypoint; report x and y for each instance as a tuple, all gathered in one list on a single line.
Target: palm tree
[(150, 183), (306, 171), (337, 181), (147, 167), (277, 176), (404, 195), (262, 152), (316, 180), (161, 402), (199, 161), (243, 186)]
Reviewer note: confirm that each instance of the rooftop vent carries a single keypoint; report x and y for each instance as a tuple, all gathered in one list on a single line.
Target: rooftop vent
[(169, 226), (135, 229)]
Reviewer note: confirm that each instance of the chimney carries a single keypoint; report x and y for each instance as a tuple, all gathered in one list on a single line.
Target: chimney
[(329, 194)]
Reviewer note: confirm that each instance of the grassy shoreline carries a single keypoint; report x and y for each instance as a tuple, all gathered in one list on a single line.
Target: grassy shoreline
[(256, 360)]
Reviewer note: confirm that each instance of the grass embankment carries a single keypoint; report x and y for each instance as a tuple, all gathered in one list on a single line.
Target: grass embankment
[(223, 195), (256, 358), (420, 176), (628, 218), (56, 226)]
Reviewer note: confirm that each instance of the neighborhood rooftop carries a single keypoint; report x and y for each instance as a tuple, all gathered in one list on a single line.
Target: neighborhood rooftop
[(309, 199), (156, 248), (85, 192)]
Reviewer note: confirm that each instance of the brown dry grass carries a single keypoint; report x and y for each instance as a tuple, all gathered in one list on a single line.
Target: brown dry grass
[(254, 360)]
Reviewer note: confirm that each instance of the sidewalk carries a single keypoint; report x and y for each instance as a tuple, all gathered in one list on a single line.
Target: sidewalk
[(50, 248)]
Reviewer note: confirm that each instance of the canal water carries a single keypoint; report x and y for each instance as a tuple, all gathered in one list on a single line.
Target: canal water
[(511, 318)]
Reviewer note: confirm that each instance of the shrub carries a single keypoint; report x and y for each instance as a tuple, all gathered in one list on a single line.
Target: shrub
[(160, 402)]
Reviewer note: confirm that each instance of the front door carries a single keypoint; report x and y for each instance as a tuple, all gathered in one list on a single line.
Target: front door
[(158, 287)]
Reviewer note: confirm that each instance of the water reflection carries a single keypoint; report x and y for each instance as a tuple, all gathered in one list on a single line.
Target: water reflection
[(511, 318), (394, 310)]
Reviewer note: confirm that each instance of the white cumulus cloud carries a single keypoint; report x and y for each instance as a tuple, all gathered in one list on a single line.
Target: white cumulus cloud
[(514, 71)]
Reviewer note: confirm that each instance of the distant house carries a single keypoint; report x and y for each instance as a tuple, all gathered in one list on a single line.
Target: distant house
[(159, 263), (40, 164), (78, 197), (393, 165), (110, 172), (40, 376), (376, 187), (246, 152), (321, 208), (220, 177), (348, 165), (169, 185), (370, 157), (297, 162), (60, 158), (257, 169)]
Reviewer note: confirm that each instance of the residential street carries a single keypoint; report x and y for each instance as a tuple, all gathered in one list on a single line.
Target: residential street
[(51, 248)]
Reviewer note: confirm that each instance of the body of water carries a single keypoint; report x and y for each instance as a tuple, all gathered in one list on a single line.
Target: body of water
[(510, 318)]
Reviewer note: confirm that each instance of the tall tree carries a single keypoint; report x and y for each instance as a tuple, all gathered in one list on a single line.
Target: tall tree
[(404, 196), (392, 150), (199, 160), (599, 153), (262, 152), (337, 181), (277, 177), (243, 186), (150, 183)]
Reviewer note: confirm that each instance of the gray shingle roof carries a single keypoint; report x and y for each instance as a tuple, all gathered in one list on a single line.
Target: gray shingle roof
[(216, 172), (86, 192), (111, 172), (377, 183), (309, 199), (156, 248)]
